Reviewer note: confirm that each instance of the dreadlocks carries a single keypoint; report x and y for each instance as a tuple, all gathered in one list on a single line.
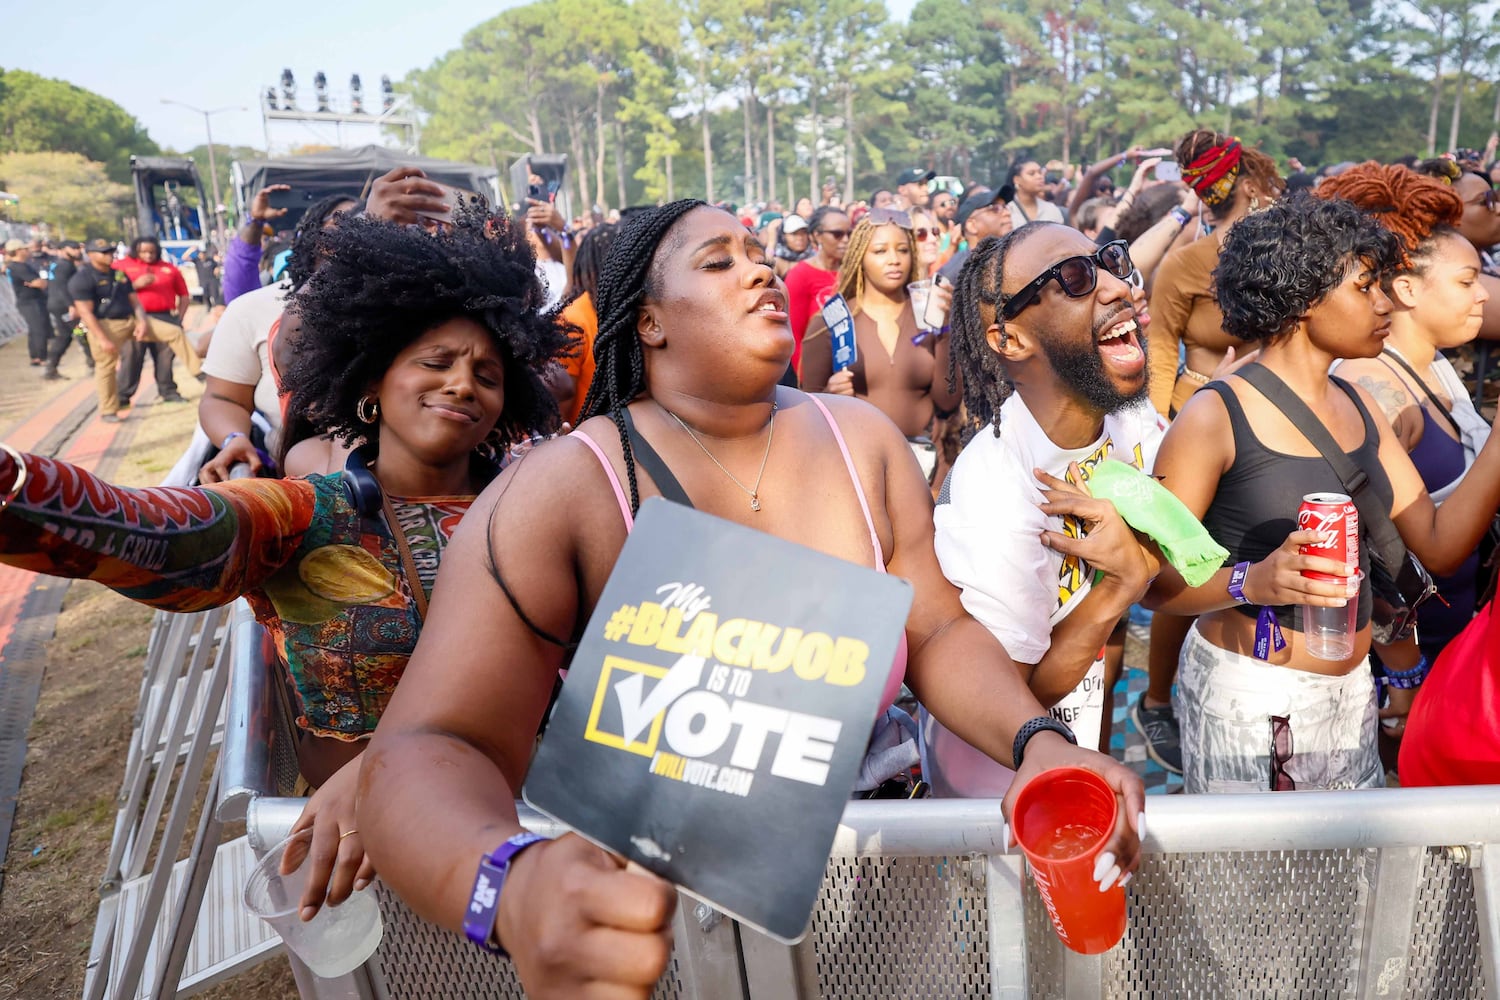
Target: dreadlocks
[(977, 300), (628, 276), (1414, 207)]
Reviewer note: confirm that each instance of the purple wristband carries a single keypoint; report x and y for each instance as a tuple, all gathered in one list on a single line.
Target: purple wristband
[(484, 900), (1237, 582)]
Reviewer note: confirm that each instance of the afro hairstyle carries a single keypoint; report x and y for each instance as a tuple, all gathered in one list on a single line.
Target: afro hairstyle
[(382, 286)]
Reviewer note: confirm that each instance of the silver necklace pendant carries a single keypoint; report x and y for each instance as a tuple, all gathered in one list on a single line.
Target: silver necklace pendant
[(755, 503)]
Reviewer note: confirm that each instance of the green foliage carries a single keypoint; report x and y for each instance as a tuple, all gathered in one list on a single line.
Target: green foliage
[(74, 195), (738, 96), (41, 115)]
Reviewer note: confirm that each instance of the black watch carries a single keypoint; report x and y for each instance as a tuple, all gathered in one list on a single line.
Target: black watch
[(1040, 724)]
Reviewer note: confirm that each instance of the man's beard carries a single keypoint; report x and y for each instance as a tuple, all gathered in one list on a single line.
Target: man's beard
[(1081, 369)]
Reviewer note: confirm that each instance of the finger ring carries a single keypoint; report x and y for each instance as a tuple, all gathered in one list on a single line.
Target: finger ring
[(347, 833)]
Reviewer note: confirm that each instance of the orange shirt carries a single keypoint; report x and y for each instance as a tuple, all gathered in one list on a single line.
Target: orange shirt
[(580, 313)]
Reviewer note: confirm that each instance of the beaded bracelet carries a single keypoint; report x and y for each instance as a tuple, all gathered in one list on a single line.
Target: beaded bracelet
[(1412, 677)]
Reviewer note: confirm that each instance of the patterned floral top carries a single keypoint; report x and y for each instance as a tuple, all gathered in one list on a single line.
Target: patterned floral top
[(325, 581)]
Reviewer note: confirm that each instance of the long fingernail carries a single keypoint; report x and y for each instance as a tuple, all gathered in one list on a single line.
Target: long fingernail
[(308, 912), (1107, 883), (360, 883), (1005, 837), (1125, 879), (1103, 863), (1140, 824)]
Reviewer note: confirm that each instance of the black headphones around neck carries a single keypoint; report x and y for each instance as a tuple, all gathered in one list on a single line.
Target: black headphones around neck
[(360, 485)]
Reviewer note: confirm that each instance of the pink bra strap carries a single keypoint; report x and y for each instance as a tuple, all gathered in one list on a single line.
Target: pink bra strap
[(614, 480), (859, 489)]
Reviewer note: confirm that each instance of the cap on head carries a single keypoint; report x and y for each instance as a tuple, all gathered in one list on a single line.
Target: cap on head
[(977, 199), (100, 246), (794, 224), (11, 246), (916, 175)]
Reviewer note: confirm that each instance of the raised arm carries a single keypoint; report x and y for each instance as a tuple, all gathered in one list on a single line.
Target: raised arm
[(169, 548)]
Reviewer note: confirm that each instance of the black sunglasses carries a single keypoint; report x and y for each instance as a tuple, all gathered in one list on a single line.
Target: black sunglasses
[(838, 234), (1281, 754), (1077, 276)]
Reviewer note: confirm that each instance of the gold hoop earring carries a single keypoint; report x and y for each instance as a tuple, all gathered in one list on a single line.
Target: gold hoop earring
[(367, 409)]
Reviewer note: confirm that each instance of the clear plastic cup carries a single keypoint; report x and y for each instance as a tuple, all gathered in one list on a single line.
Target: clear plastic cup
[(1328, 633), (339, 939), (920, 292), (1062, 820)]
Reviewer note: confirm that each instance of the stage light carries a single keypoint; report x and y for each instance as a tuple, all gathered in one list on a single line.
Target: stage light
[(270, 99), (288, 91), (320, 86), (387, 94), (356, 95)]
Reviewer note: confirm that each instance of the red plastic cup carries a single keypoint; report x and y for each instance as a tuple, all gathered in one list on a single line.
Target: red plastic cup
[(1062, 820)]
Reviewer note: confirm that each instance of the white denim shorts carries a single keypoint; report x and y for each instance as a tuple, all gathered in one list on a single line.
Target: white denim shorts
[(1224, 705)]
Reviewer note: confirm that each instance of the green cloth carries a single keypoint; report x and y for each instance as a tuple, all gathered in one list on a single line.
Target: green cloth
[(1150, 508)]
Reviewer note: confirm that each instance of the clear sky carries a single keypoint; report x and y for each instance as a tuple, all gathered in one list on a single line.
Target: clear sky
[(221, 55)]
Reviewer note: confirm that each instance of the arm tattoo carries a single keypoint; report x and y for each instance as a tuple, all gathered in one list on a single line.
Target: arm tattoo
[(1391, 396)]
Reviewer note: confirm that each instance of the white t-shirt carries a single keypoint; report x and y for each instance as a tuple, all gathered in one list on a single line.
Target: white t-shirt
[(554, 275), (237, 352), (988, 540)]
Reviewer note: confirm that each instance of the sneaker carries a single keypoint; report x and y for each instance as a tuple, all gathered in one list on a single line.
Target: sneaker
[(110, 418), (51, 374), (1163, 738), (173, 397)]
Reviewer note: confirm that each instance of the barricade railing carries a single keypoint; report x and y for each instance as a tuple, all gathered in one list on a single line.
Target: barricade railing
[(1384, 893)]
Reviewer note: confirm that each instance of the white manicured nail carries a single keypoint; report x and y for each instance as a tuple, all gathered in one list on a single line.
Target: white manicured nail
[(1106, 883), (1125, 879), (1005, 837), (1140, 824), (1103, 863)]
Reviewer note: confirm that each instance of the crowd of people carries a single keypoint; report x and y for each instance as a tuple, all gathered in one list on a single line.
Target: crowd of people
[(450, 427)]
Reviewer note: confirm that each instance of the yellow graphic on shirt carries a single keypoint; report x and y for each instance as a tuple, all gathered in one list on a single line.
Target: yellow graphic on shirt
[(1075, 571)]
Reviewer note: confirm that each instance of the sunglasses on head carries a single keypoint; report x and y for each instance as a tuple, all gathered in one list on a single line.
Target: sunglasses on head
[(889, 216), (1077, 276), (1281, 754)]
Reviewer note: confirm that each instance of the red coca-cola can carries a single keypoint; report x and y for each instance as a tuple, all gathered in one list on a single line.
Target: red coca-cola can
[(1335, 513)]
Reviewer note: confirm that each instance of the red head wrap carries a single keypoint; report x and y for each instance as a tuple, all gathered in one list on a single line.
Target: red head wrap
[(1213, 174)]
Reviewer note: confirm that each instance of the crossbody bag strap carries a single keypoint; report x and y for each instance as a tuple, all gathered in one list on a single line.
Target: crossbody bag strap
[(1387, 543), (1447, 413), (408, 564)]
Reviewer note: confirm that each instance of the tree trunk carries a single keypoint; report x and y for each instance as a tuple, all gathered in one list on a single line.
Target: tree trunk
[(599, 144), (1458, 101), (849, 144), (708, 157), (817, 124), (751, 182), (534, 119), (771, 147), (671, 189), (620, 162), (1437, 85), (579, 154)]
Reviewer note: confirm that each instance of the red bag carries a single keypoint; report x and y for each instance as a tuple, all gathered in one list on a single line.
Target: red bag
[(1453, 733)]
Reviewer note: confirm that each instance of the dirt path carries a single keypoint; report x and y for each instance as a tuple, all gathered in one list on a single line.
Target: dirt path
[(79, 733)]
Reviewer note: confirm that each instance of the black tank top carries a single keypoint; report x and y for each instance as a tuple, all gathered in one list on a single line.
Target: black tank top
[(1255, 507)]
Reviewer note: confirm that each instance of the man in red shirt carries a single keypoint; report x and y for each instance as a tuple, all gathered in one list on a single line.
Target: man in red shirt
[(164, 296)]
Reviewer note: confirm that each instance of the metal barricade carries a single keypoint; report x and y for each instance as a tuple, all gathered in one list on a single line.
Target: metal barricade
[(1304, 895), (1384, 893)]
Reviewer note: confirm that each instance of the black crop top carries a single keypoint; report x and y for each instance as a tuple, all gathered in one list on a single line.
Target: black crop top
[(1255, 507)]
